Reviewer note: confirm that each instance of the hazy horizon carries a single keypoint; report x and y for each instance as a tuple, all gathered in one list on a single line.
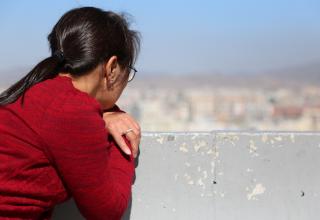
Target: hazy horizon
[(282, 77)]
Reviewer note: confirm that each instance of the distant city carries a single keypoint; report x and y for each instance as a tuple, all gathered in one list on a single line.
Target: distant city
[(224, 102), (206, 103)]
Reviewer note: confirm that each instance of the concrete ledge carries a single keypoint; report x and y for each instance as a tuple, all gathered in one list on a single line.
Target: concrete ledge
[(224, 175)]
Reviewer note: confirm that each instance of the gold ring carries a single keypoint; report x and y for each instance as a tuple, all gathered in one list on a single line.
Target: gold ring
[(127, 131)]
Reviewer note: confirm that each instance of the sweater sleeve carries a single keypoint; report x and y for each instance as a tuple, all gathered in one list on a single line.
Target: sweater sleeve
[(93, 168)]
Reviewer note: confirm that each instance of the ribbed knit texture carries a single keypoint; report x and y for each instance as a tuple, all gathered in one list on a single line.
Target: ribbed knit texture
[(55, 146)]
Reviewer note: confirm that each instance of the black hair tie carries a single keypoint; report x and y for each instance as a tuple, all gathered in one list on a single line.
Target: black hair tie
[(59, 54)]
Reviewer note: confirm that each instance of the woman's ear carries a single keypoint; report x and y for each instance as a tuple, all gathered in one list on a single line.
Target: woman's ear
[(111, 72)]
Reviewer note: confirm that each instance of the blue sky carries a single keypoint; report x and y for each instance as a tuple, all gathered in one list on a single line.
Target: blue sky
[(199, 36)]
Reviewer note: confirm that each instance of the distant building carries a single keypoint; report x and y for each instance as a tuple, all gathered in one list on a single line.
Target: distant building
[(287, 112)]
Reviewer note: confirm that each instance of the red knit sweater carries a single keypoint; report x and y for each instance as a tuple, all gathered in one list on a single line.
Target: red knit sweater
[(55, 146)]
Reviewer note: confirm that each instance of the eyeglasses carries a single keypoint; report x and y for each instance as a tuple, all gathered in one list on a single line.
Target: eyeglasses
[(132, 73)]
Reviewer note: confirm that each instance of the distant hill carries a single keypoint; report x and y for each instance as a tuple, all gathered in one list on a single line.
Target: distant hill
[(304, 74), (291, 76)]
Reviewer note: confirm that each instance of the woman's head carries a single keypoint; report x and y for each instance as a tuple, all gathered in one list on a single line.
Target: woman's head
[(96, 41), (89, 36), (83, 40)]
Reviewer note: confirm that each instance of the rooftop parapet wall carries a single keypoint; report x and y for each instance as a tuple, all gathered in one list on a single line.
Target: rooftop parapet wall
[(224, 175)]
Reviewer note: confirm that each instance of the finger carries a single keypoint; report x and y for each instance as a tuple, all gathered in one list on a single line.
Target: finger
[(134, 140), (122, 144), (135, 126), (131, 137), (117, 136), (134, 137), (133, 122)]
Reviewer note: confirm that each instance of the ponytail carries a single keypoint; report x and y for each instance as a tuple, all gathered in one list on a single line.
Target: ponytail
[(46, 69)]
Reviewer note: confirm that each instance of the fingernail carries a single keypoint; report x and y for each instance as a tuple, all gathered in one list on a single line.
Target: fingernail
[(128, 151)]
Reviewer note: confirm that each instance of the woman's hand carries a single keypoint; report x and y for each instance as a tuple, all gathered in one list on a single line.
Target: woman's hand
[(119, 124)]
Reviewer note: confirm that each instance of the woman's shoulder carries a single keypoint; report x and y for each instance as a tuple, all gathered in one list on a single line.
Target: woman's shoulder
[(68, 109), (59, 94)]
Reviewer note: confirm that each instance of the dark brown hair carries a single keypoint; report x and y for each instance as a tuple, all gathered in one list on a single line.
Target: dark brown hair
[(81, 39)]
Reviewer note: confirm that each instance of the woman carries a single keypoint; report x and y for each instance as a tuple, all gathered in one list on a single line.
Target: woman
[(53, 141)]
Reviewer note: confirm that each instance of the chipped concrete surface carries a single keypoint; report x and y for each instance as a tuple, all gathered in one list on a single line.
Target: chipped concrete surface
[(258, 189), (224, 175)]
